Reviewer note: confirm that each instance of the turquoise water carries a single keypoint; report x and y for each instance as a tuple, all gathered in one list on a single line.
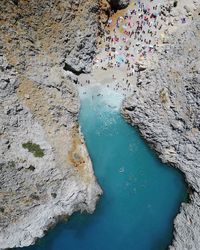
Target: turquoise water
[(141, 195)]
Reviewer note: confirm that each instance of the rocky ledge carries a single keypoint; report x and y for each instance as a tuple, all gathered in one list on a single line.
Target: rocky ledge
[(165, 108)]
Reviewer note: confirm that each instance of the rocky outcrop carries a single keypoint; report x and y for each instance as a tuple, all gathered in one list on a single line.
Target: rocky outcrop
[(165, 108), (106, 7), (50, 32), (45, 169)]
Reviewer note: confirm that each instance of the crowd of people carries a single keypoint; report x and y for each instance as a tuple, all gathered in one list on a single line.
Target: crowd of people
[(131, 38)]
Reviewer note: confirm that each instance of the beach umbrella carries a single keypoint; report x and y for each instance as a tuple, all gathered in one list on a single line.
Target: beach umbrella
[(121, 29), (120, 59), (162, 36), (141, 58)]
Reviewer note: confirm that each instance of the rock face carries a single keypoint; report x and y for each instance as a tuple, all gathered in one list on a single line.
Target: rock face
[(165, 108), (61, 32), (39, 107)]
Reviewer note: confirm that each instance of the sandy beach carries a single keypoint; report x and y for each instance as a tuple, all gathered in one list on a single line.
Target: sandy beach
[(132, 38)]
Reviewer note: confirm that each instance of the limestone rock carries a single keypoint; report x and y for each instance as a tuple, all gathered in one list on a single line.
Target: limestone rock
[(39, 106)]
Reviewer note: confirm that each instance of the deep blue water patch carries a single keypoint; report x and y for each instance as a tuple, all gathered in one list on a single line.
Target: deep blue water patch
[(141, 195)]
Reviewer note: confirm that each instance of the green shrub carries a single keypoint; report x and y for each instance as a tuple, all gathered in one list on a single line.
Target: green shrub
[(34, 149)]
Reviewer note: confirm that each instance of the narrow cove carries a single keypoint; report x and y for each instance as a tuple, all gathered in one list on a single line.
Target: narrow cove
[(141, 195)]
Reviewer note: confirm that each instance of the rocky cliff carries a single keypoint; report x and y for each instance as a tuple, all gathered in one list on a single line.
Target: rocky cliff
[(165, 108), (45, 170)]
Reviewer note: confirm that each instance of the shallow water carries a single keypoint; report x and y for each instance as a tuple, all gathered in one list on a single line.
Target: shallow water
[(141, 195)]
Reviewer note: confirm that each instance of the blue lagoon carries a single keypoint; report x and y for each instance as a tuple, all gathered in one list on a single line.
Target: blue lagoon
[(141, 195)]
